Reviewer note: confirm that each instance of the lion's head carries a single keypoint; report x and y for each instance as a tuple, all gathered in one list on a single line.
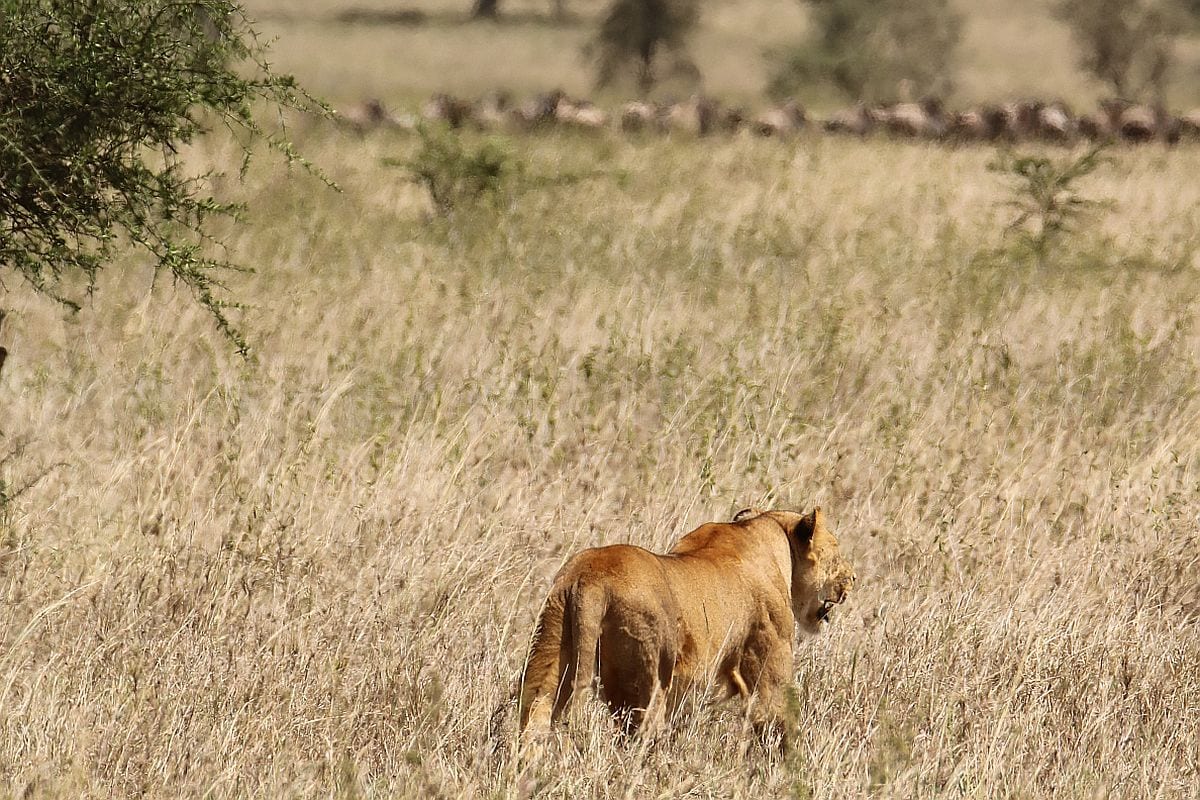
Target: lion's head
[(821, 575)]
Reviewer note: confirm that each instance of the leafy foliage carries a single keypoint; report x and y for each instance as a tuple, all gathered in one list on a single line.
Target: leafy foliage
[(96, 99), (636, 36), (458, 175), (865, 48), (1046, 198), (1127, 44)]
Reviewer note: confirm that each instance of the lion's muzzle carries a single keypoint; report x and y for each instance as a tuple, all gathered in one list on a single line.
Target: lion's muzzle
[(823, 611), (835, 596)]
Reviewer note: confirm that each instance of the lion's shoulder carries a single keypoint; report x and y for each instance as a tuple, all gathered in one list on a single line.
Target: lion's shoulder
[(716, 536), (734, 542)]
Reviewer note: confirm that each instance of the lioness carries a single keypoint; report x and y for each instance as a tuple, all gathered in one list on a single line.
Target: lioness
[(721, 606)]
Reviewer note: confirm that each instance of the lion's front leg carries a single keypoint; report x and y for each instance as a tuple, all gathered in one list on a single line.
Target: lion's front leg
[(765, 672)]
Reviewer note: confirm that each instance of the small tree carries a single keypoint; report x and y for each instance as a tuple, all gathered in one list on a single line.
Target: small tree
[(457, 175), (866, 48), (638, 36), (96, 98), (1045, 195), (485, 9), (1127, 44)]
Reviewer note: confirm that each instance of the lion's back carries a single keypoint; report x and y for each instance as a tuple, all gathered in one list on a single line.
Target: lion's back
[(620, 569)]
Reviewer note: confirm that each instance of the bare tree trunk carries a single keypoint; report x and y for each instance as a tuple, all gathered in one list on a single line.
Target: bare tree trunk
[(486, 9), (645, 69)]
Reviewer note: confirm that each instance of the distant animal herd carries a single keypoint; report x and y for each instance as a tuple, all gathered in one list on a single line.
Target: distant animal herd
[(929, 119)]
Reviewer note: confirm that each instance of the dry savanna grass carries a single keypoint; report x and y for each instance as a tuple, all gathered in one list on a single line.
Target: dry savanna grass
[(314, 572)]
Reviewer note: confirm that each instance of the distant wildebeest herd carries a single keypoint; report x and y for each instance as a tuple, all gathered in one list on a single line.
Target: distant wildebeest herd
[(929, 119)]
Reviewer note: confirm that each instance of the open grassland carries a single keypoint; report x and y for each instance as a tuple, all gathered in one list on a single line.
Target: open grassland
[(314, 573), (1010, 49)]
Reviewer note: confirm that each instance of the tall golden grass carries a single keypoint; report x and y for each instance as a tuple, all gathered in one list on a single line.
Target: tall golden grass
[(314, 573)]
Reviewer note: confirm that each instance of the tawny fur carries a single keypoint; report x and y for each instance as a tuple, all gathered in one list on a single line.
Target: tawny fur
[(719, 609)]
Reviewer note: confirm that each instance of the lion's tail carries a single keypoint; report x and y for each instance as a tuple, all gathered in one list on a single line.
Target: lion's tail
[(562, 658)]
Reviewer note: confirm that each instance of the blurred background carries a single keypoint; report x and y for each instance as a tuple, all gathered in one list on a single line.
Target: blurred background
[(996, 50)]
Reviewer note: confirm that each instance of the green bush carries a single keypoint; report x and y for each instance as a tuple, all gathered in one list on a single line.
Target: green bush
[(458, 175), (1045, 195), (866, 48), (96, 99)]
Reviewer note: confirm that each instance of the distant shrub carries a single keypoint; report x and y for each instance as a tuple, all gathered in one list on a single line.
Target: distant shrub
[(1045, 196), (646, 39), (490, 9), (866, 48), (1127, 44), (458, 175)]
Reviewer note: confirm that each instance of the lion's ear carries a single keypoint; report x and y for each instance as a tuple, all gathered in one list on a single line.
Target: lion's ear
[(745, 514), (807, 525)]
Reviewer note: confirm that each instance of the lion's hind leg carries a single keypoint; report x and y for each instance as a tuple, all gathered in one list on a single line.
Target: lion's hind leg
[(658, 707), (545, 687), (635, 677)]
